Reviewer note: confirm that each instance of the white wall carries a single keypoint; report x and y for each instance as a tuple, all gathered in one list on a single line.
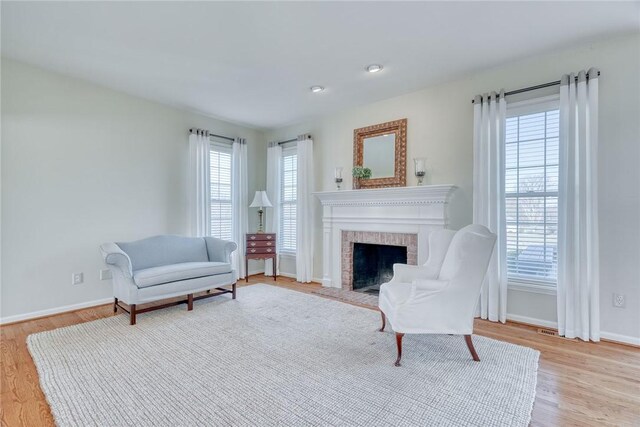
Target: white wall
[(440, 123), (83, 165)]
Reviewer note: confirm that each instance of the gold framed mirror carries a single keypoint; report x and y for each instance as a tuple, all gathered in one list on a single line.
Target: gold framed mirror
[(383, 149)]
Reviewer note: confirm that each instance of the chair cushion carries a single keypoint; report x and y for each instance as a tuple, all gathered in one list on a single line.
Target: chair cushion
[(175, 272)]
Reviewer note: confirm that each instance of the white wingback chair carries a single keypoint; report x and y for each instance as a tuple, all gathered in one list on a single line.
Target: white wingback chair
[(441, 296)]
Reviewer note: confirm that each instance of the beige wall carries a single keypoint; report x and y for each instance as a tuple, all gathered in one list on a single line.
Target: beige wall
[(83, 165), (440, 125)]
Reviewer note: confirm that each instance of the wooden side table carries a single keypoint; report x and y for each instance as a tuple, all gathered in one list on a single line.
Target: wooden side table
[(260, 246)]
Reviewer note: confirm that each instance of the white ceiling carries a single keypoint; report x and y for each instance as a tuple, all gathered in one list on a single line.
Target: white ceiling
[(253, 63)]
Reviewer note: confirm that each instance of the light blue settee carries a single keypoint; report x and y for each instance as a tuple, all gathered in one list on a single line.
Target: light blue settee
[(163, 267)]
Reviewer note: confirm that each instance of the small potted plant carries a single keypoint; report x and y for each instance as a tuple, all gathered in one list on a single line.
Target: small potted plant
[(360, 172)]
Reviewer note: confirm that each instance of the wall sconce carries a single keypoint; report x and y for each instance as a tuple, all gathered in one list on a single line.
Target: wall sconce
[(419, 163), (338, 176)]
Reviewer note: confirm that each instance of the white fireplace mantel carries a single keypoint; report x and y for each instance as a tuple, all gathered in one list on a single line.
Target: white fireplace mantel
[(421, 195), (413, 210)]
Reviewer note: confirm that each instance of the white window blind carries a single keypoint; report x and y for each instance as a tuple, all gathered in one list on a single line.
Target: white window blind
[(220, 176), (531, 192), (288, 199)]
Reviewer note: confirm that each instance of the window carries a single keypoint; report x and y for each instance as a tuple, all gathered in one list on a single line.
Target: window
[(531, 192), (288, 199), (220, 177)]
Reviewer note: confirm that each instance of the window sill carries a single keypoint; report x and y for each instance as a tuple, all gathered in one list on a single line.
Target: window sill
[(287, 254), (533, 288)]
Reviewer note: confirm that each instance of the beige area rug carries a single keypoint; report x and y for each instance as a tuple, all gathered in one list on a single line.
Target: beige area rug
[(276, 357)]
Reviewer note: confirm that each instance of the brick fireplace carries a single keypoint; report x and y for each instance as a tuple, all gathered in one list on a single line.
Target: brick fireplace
[(350, 238)]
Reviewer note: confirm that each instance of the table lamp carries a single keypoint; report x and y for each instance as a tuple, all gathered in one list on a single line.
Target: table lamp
[(260, 200)]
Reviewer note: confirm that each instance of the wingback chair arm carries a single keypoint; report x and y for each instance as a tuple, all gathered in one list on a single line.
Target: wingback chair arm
[(115, 256), (220, 250), (404, 273), (428, 285)]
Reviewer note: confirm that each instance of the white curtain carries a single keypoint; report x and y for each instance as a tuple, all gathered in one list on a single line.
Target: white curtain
[(304, 210), (274, 157), (578, 266), (488, 197), (240, 204), (199, 184)]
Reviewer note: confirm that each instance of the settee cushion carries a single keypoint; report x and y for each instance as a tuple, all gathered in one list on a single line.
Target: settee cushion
[(165, 250), (175, 272)]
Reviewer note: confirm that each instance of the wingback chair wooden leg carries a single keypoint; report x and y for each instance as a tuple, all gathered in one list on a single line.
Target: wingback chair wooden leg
[(472, 350), (233, 292), (399, 345), (115, 305), (132, 314), (189, 302), (384, 321)]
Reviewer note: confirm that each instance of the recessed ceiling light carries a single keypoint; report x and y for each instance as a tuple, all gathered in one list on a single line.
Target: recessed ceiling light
[(374, 68), (316, 89)]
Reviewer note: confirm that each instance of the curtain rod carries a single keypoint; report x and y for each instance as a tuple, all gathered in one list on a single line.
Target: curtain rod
[(292, 140), (530, 88), (228, 138)]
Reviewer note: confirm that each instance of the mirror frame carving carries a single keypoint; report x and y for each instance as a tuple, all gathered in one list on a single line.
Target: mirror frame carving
[(399, 127)]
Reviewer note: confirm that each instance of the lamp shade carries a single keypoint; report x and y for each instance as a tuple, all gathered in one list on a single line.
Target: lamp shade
[(260, 200)]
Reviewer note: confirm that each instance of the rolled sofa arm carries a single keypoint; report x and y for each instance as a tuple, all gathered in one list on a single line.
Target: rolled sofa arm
[(113, 255), (220, 250)]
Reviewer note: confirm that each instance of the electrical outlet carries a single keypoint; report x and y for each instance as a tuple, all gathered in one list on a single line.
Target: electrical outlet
[(77, 278), (105, 274), (618, 300)]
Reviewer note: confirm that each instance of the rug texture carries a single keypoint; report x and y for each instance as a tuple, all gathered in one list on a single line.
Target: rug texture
[(352, 297), (276, 357)]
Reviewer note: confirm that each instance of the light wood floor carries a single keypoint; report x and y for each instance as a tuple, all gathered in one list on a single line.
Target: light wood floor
[(579, 384)]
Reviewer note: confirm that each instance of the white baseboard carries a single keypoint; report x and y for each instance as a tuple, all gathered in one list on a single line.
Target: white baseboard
[(285, 274), (51, 311), (289, 275), (254, 272), (293, 276), (532, 321), (625, 339), (609, 336)]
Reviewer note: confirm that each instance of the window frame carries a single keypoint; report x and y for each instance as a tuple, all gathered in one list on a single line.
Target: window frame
[(226, 148), (288, 150), (520, 108)]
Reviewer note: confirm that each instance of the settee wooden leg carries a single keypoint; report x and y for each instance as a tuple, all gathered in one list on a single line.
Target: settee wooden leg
[(132, 314), (472, 350), (384, 322), (189, 302), (115, 305), (233, 291), (399, 345)]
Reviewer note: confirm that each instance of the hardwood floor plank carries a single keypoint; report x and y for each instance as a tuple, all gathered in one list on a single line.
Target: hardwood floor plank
[(579, 384), (595, 365)]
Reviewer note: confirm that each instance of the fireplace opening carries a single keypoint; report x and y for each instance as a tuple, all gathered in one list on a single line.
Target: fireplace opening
[(373, 265)]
